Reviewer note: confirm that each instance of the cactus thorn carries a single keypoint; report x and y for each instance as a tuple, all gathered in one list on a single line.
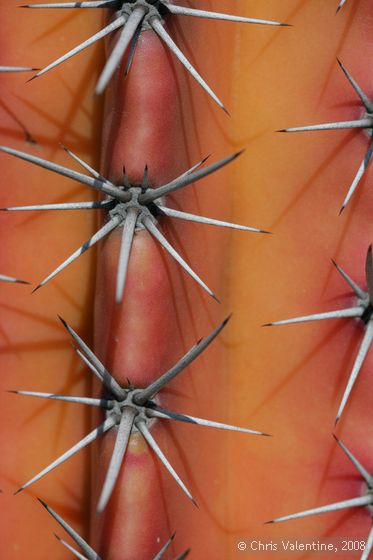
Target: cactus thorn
[(130, 409), (130, 207), (363, 310), (364, 500), (133, 17), (364, 123)]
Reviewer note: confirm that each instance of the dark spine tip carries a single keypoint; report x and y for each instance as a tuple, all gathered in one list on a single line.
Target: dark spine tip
[(18, 491), (281, 130), (36, 289), (226, 320), (239, 153), (215, 297), (265, 232), (226, 111), (30, 79), (267, 325), (23, 282), (44, 504), (269, 522), (57, 537), (31, 140), (12, 391), (63, 322), (341, 210), (266, 435)]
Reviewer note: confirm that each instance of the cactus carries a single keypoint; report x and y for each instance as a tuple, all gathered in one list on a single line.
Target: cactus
[(139, 312)]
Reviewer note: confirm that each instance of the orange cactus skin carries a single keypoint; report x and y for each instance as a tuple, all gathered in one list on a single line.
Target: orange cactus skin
[(298, 373), (259, 398), (36, 353), (257, 379)]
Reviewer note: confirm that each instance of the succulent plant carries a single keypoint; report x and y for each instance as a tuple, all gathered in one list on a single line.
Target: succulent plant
[(134, 310)]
